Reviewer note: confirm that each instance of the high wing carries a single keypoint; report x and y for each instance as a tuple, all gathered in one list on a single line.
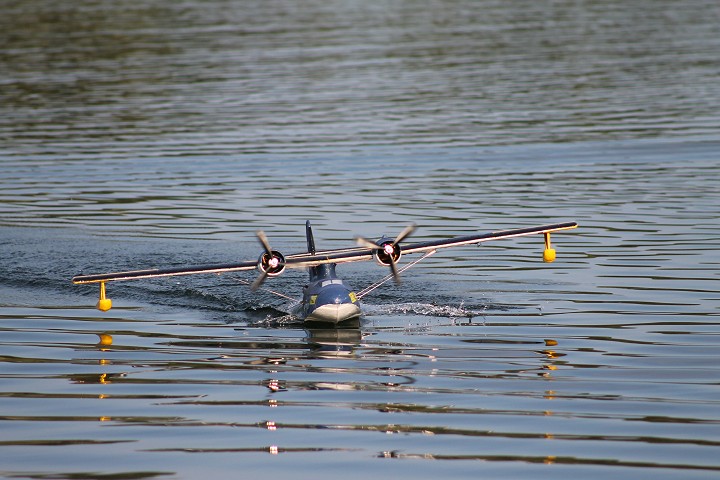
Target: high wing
[(341, 255), (365, 253), (476, 239), (272, 263), (165, 272)]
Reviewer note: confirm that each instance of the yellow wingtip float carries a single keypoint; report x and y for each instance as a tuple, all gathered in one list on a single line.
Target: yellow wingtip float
[(549, 253), (327, 298), (104, 304)]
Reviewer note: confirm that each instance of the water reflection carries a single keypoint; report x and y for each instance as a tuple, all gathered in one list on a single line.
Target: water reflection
[(548, 460), (398, 392), (105, 340), (333, 342)]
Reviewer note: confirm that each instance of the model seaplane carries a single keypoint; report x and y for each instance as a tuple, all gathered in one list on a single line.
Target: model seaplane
[(327, 298)]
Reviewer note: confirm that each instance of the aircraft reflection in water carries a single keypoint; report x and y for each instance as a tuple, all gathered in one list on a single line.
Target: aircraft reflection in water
[(327, 298), (329, 343)]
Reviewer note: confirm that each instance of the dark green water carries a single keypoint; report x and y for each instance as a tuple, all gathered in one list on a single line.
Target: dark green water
[(164, 134)]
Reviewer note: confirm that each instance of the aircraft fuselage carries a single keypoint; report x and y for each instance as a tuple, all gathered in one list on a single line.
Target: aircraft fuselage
[(327, 298)]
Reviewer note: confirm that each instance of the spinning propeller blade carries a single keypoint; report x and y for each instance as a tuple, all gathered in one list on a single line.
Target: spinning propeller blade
[(393, 269), (259, 281), (388, 252), (364, 242), (405, 233), (264, 242), (271, 262)]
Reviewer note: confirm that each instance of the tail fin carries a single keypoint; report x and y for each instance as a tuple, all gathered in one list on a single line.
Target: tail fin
[(310, 239)]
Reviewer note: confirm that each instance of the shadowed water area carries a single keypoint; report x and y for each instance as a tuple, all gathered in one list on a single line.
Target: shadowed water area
[(164, 134)]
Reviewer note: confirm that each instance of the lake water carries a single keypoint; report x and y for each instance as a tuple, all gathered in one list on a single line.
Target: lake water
[(165, 133)]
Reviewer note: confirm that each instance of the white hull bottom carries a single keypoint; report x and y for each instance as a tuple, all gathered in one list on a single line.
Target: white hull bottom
[(334, 313)]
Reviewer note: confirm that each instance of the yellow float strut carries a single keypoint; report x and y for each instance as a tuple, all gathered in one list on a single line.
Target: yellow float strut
[(549, 253), (104, 304)]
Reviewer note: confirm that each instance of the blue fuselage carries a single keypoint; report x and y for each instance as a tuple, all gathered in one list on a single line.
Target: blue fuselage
[(327, 298)]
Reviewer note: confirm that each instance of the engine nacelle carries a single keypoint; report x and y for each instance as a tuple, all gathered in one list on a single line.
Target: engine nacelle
[(272, 265), (388, 253)]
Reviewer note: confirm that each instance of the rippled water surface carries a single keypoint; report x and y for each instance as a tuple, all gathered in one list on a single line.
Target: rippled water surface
[(165, 133)]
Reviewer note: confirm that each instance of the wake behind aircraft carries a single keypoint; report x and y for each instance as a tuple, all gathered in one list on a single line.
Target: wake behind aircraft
[(326, 297)]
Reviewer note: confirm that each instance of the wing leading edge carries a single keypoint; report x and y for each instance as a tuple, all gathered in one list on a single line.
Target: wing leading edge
[(475, 239), (362, 253), (342, 255), (165, 272)]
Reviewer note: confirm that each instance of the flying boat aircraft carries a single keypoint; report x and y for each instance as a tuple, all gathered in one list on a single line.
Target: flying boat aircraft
[(326, 297)]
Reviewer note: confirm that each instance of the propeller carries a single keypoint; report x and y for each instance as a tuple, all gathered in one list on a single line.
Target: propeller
[(387, 252), (271, 262)]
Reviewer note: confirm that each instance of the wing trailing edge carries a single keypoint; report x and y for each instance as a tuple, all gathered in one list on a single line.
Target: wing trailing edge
[(341, 255), (164, 272), (475, 239)]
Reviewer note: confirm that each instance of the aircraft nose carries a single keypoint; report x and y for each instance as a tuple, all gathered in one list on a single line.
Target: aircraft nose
[(335, 294)]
